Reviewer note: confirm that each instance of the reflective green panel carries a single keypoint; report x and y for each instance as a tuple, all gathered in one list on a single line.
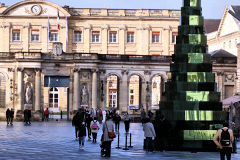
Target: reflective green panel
[(195, 20), (199, 134), (195, 3), (195, 58), (197, 96), (191, 115), (196, 77), (196, 39)]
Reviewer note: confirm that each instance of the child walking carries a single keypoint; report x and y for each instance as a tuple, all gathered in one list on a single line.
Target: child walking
[(82, 135), (94, 127)]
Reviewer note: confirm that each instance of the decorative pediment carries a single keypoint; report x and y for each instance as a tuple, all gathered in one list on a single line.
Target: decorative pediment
[(228, 21), (35, 8)]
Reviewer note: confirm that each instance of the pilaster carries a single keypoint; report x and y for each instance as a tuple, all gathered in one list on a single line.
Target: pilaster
[(123, 100), (19, 105), (94, 89), (76, 91), (37, 103)]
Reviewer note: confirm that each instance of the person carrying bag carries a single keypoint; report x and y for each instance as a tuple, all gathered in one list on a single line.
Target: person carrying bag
[(107, 137)]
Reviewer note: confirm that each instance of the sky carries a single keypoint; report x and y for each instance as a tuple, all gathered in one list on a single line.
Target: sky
[(212, 9)]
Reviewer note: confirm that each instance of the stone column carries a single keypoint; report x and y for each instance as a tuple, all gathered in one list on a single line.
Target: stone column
[(44, 39), (220, 83), (19, 105), (145, 40), (87, 34), (76, 92), (165, 37), (94, 89), (139, 40), (238, 68), (122, 39), (104, 38), (123, 100), (37, 103), (25, 37), (146, 91), (5, 33)]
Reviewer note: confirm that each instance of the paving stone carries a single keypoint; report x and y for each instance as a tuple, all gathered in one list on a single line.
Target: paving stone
[(56, 140)]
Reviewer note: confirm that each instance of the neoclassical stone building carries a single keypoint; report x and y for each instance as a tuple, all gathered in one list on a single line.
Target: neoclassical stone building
[(99, 58), (105, 58)]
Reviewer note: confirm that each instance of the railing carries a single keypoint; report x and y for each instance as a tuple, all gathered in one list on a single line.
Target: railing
[(124, 12)]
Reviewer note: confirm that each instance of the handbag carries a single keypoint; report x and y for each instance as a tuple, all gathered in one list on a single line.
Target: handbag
[(110, 134)]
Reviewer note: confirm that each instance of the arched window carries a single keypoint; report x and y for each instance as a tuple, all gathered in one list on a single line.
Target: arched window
[(2, 90), (53, 98), (156, 91), (134, 92), (112, 91)]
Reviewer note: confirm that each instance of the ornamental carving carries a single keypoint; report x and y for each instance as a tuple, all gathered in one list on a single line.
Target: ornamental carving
[(229, 77)]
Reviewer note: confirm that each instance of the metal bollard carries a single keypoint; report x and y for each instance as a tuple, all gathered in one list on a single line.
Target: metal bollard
[(61, 114), (130, 146), (126, 148), (118, 147)]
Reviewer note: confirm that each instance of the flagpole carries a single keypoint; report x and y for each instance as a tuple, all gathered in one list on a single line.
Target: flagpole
[(48, 34), (66, 34)]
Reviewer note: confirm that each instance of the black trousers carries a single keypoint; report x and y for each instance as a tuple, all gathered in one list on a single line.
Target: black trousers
[(225, 151), (76, 131), (94, 137), (106, 146), (116, 126), (89, 132)]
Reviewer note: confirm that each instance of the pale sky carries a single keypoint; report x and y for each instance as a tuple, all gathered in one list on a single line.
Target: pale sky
[(212, 9)]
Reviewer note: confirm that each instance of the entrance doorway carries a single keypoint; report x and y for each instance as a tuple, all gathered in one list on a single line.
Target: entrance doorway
[(56, 96)]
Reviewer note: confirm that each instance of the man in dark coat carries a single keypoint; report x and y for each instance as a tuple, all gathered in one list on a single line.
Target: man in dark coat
[(11, 116), (162, 127), (116, 120), (25, 113), (8, 116), (29, 116)]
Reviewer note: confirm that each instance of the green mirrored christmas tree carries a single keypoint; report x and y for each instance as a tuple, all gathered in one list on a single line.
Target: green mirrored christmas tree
[(191, 103)]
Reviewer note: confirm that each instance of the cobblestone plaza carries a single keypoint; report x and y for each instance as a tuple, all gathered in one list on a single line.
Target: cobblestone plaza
[(55, 140)]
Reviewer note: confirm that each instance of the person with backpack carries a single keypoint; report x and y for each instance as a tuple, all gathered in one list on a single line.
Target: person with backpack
[(94, 127), (224, 139)]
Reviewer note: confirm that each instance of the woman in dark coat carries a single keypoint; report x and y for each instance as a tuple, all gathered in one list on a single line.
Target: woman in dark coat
[(82, 134)]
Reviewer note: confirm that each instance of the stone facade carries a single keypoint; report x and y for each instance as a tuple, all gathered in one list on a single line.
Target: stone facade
[(42, 66)]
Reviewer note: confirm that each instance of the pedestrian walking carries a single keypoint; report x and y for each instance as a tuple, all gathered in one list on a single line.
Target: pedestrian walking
[(100, 115), (162, 128), (76, 122), (29, 116), (88, 122), (126, 122), (8, 116), (11, 116), (46, 114), (224, 139), (149, 133), (116, 120), (25, 114), (108, 127), (82, 135), (94, 127)]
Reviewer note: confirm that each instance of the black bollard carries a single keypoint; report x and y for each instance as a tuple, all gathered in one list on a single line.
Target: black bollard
[(61, 114), (130, 146), (126, 148), (118, 147)]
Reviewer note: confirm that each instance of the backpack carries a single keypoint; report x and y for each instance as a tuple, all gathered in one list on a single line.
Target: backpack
[(225, 138), (94, 126)]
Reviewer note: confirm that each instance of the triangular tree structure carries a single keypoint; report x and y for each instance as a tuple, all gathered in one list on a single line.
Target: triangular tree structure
[(191, 103)]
